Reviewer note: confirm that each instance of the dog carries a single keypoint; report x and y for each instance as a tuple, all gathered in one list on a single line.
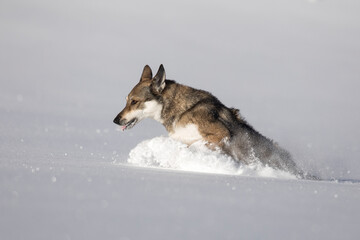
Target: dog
[(191, 115)]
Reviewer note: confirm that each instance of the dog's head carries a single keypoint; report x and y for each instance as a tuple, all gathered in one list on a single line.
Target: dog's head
[(144, 99)]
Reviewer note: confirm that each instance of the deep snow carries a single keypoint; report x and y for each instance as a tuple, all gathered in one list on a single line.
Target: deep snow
[(67, 172), (164, 152)]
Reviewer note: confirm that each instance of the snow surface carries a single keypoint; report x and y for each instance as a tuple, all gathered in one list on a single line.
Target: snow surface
[(164, 152), (67, 172)]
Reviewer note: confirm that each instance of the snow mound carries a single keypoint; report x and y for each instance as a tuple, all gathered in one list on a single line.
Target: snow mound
[(164, 152)]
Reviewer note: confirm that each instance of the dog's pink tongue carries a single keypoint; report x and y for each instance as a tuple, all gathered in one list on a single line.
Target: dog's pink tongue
[(123, 128)]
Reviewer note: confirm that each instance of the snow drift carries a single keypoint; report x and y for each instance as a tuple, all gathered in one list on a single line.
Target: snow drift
[(164, 152)]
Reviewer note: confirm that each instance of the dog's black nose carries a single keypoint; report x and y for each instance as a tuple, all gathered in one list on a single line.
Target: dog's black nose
[(117, 120)]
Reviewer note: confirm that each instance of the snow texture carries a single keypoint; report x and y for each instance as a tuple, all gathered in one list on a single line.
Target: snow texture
[(167, 153), (67, 172)]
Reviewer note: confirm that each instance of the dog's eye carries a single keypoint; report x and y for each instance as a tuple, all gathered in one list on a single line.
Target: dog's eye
[(133, 102)]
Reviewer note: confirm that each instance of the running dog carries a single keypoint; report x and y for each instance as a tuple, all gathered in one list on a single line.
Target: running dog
[(191, 115)]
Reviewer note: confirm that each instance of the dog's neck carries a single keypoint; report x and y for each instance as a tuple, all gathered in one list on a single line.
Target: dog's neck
[(176, 100)]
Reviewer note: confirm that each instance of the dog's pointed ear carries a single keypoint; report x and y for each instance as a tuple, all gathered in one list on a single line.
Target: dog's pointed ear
[(146, 74), (159, 80)]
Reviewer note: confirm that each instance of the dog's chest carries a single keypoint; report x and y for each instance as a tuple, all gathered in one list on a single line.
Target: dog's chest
[(187, 134)]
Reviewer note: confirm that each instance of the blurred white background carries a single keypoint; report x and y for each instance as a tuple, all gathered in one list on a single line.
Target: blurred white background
[(292, 68)]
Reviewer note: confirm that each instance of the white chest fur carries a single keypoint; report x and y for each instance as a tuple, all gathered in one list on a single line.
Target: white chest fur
[(187, 134), (153, 110)]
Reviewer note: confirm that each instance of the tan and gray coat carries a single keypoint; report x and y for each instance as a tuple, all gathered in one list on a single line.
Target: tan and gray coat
[(190, 115)]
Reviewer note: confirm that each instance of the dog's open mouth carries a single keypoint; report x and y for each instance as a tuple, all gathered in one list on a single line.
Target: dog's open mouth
[(129, 124)]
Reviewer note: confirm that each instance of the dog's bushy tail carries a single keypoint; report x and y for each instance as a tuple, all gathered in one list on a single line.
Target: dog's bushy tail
[(236, 113)]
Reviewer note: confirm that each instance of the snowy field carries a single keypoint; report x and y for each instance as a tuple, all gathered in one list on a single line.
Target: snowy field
[(67, 172)]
